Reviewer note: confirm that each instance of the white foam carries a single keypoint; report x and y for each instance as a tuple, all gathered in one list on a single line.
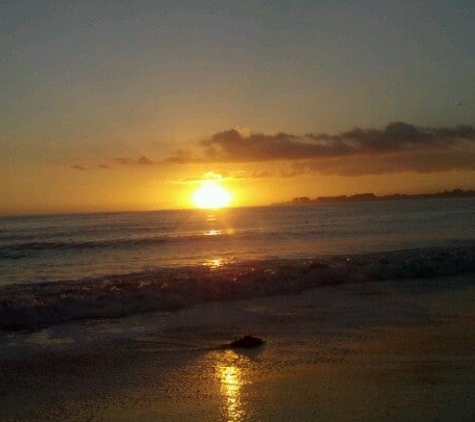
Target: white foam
[(24, 305)]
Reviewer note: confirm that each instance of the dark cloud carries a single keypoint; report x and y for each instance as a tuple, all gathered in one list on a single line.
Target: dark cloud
[(397, 136), (142, 161), (235, 146), (231, 146), (94, 167), (183, 156), (419, 162), (398, 147)]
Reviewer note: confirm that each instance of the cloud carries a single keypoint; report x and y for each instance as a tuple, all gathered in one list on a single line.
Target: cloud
[(231, 146), (142, 161), (397, 136), (210, 175), (418, 162), (184, 156), (398, 147), (80, 167), (236, 146), (223, 176)]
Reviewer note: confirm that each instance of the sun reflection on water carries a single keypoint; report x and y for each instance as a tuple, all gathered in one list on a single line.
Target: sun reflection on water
[(218, 232), (211, 218), (214, 263), (231, 382), (213, 232)]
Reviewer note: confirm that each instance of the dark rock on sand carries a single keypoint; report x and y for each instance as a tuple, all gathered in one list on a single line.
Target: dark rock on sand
[(246, 342)]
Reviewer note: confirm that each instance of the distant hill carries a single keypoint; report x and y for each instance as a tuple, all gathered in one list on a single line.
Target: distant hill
[(369, 197)]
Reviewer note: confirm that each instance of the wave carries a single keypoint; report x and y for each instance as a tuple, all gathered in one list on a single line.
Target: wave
[(33, 305), (24, 249), (20, 249)]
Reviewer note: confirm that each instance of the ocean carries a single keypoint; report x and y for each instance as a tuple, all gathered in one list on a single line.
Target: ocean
[(58, 268)]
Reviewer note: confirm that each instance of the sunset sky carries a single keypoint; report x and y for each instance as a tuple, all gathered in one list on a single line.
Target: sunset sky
[(129, 105)]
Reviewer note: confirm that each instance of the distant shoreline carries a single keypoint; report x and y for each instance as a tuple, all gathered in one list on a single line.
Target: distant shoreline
[(371, 197)]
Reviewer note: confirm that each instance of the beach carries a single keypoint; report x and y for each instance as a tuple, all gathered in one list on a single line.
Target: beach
[(391, 350), (180, 177), (366, 310)]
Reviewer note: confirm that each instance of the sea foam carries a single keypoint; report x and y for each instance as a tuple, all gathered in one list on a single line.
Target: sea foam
[(162, 289)]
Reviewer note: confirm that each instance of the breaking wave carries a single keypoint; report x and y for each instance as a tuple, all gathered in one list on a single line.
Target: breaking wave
[(30, 305)]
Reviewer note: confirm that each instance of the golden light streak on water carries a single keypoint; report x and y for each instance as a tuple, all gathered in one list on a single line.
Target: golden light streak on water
[(214, 263), (231, 383), (213, 232)]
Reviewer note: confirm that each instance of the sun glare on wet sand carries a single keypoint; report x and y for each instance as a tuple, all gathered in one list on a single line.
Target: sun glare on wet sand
[(211, 195)]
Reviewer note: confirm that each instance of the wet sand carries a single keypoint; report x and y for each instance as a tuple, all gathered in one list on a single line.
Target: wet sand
[(400, 350)]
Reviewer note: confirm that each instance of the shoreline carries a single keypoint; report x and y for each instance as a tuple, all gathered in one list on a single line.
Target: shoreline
[(371, 197), (399, 350), (37, 305)]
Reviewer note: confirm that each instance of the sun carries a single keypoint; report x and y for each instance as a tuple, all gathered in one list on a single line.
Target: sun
[(211, 195)]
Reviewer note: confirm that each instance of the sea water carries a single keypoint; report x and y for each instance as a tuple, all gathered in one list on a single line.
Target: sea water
[(56, 268)]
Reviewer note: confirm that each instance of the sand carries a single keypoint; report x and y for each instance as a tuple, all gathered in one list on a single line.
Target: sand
[(401, 350)]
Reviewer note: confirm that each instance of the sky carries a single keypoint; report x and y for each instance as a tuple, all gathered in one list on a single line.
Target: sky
[(130, 105)]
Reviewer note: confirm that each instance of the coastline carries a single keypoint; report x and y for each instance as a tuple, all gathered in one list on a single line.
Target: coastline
[(371, 197), (398, 350)]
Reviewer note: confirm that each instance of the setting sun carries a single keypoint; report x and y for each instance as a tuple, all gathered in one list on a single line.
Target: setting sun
[(211, 195)]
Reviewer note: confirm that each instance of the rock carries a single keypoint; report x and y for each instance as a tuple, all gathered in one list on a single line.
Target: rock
[(246, 342)]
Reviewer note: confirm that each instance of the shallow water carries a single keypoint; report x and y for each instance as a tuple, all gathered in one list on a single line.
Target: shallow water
[(66, 267), (70, 247)]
